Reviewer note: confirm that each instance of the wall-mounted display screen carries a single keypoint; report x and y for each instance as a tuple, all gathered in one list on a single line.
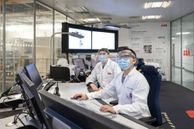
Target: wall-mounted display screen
[(92, 39), (103, 40), (80, 43)]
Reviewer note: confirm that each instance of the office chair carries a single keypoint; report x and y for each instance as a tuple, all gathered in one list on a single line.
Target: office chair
[(140, 62), (154, 79)]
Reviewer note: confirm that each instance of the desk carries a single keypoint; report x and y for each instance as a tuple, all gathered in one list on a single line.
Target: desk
[(67, 90)]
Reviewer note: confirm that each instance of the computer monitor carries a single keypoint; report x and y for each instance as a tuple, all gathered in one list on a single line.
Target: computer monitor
[(78, 115), (32, 99), (79, 63), (34, 75)]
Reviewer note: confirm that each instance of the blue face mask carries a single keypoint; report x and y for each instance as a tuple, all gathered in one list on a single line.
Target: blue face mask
[(124, 63), (102, 58)]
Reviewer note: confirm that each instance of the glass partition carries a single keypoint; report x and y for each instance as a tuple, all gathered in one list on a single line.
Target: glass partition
[(59, 19), (187, 51), (182, 48), (19, 37), (176, 51), (1, 47), (44, 31)]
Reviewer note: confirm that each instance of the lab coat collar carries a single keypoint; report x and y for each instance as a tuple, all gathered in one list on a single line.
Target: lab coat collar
[(131, 72), (107, 64)]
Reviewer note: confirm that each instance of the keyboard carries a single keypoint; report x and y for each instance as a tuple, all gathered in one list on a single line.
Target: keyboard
[(94, 106)]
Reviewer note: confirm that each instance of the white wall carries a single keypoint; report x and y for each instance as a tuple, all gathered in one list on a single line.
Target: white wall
[(151, 41)]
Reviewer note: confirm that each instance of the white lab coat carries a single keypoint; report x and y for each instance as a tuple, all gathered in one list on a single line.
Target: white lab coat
[(104, 75), (132, 94), (63, 63)]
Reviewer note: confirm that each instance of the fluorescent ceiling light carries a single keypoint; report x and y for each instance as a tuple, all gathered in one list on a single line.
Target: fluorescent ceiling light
[(156, 4), (91, 20), (160, 4), (111, 27), (183, 33), (151, 17), (166, 4)]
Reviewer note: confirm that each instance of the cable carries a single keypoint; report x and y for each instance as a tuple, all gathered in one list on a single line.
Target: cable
[(42, 125), (16, 117), (21, 122), (4, 102), (5, 93)]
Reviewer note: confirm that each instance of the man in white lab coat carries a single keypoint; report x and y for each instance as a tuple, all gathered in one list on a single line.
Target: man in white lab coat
[(130, 87), (104, 71)]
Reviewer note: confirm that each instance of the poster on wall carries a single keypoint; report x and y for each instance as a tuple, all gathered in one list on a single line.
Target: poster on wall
[(147, 49)]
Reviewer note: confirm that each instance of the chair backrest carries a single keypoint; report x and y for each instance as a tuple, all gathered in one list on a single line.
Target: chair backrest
[(60, 73), (140, 62), (154, 79)]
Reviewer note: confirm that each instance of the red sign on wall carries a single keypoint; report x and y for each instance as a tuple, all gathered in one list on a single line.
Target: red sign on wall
[(186, 52)]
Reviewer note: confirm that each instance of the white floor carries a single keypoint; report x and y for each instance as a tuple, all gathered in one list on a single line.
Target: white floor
[(5, 121)]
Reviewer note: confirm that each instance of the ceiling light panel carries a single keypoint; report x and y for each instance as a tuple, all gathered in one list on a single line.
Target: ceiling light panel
[(166, 4), (89, 20), (183, 33), (156, 4), (160, 4), (151, 17)]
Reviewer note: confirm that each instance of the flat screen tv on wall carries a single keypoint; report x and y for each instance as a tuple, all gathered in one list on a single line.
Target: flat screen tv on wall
[(93, 39)]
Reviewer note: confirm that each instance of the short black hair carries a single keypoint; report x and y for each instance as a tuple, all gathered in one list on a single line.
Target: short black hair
[(126, 48), (104, 49)]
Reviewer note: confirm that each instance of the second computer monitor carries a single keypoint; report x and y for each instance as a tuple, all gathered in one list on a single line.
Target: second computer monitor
[(34, 75), (79, 63)]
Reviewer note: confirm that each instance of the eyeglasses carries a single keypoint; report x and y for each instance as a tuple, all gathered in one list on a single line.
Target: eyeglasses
[(126, 53)]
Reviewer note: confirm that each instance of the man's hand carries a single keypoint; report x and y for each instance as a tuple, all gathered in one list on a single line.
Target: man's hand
[(80, 96), (93, 87), (107, 108)]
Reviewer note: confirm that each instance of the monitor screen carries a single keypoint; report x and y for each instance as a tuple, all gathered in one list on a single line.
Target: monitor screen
[(80, 116), (80, 43), (79, 63), (32, 99), (33, 74), (103, 40)]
